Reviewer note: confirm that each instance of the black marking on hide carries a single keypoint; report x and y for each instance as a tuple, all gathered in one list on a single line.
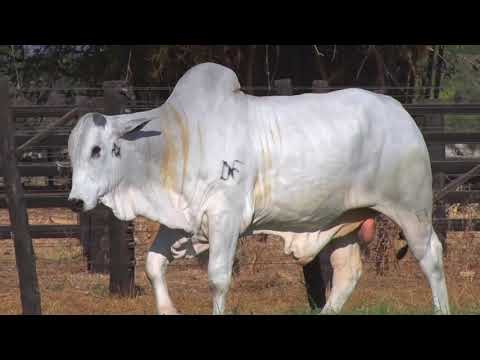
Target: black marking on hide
[(95, 152), (229, 170), (99, 119), (116, 150)]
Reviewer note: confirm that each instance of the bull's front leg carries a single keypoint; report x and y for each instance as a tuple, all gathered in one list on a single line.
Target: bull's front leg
[(223, 232), (157, 261), (156, 267)]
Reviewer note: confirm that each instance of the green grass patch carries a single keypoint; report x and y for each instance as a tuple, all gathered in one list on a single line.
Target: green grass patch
[(389, 309)]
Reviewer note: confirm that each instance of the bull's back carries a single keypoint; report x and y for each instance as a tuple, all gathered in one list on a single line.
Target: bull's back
[(321, 154)]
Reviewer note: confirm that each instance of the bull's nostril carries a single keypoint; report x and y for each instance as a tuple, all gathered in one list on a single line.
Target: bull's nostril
[(77, 204)]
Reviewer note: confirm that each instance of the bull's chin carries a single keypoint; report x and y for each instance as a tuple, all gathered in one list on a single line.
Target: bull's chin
[(121, 215), (105, 200), (88, 207)]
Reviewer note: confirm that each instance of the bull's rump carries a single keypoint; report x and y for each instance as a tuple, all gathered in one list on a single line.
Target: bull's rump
[(320, 155)]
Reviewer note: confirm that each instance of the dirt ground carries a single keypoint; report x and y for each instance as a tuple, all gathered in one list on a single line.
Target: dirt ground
[(266, 281)]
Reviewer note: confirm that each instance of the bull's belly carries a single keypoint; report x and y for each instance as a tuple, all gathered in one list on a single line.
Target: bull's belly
[(301, 244), (303, 188), (280, 221), (303, 207)]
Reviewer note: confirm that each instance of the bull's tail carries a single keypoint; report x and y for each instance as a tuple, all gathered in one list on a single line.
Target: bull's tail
[(403, 251)]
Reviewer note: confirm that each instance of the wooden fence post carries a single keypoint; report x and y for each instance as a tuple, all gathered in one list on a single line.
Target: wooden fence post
[(437, 153), (283, 87), (319, 86), (96, 232), (314, 282), (24, 253), (122, 249), (440, 211)]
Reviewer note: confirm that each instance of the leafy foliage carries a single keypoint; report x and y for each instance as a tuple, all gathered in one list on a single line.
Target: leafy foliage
[(462, 76), (340, 65)]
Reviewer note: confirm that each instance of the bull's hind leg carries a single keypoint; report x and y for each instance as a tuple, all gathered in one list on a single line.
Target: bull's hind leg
[(427, 249), (346, 263)]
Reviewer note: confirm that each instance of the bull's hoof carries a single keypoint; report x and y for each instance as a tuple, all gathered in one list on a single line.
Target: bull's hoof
[(328, 311), (168, 311)]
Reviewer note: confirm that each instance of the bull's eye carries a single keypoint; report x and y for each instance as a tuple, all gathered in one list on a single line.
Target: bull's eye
[(96, 152)]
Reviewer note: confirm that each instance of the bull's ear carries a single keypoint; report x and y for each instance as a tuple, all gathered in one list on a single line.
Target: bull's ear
[(97, 118), (124, 124)]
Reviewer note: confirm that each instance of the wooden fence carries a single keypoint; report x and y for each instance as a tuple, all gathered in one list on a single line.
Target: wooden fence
[(108, 243)]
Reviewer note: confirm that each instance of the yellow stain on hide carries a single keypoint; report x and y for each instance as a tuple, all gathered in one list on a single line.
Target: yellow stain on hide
[(263, 187), (185, 143), (174, 124), (258, 193), (169, 160)]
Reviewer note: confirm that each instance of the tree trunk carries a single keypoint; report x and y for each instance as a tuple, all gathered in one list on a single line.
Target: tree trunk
[(438, 72), (380, 81), (250, 67), (319, 60), (429, 74)]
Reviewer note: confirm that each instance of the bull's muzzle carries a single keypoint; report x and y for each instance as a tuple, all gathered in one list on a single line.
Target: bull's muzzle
[(76, 204)]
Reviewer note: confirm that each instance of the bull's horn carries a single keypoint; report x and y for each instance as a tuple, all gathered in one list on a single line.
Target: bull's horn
[(121, 125)]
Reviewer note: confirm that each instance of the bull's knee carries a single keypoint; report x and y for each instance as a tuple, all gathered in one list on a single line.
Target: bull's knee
[(219, 280), (155, 268)]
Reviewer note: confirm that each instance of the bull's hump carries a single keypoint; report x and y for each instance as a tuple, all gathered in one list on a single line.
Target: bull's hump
[(207, 79)]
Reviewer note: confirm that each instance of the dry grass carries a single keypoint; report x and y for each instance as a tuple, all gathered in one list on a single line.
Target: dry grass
[(267, 282)]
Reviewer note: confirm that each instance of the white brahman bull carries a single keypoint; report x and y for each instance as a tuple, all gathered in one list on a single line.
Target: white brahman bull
[(213, 163)]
